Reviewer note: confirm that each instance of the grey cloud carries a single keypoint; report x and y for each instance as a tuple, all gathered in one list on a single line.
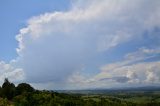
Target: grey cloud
[(119, 79)]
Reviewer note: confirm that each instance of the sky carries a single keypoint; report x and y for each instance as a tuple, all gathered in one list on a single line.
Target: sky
[(80, 44)]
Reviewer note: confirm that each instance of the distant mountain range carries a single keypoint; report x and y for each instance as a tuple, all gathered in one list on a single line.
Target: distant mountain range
[(113, 90)]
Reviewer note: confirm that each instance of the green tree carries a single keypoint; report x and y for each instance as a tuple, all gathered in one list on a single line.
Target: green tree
[(8, 89), (23, 87), (0, 91)]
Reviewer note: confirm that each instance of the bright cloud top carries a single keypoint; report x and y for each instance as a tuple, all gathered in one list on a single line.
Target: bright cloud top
[(58, 47)]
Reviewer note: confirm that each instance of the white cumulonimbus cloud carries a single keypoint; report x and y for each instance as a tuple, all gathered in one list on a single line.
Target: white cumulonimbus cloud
[(55, 45)]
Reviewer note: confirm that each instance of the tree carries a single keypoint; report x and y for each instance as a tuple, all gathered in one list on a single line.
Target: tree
[(0, 91), (23, 87), (8, 89)]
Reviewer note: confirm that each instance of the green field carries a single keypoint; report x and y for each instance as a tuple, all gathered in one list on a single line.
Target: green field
[(25, 95), (50, 98)]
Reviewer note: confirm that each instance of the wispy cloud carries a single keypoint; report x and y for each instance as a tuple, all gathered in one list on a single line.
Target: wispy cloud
[(132, 71)]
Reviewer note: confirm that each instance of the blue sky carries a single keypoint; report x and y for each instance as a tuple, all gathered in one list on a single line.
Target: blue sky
[(66, 44), (14, 15)]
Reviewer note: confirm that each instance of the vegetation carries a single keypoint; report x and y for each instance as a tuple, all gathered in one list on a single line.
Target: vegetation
[(25, 95)]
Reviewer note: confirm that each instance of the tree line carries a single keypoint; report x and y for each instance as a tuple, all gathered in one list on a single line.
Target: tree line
[(25, 95), (9, 90)]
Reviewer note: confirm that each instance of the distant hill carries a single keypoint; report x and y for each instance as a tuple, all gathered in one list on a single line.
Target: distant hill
[(113, 90)]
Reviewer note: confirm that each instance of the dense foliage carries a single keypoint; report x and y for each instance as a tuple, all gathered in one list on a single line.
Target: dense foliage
[(23, 87), (25, 95), (8, 89)]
